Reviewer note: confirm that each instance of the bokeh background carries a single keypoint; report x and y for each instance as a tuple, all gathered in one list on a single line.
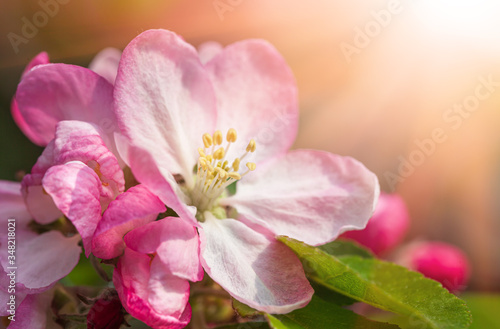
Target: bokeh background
[(372, 102)]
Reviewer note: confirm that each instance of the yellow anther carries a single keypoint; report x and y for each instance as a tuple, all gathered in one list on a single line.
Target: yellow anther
[(224, 165), (236, 164), (251, 146), (210, 167), (231, 135), (203, 163), (201, 152), (251, 166), (219, 154), (222, 173), (218, 137), (210, 158), (234, 175), (207, 140)]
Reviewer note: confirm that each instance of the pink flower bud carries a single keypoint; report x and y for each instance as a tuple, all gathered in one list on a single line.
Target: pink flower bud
[(386, 228), (106, 313), (438, 261)]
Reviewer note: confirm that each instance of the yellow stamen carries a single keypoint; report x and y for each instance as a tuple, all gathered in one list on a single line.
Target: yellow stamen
[(219, 154), (222, 173), (203, 163), (207, 140), (236, 164), (234, 175), (251, 146), (251, 166), (231, 135), (218, 138), (215, 173)]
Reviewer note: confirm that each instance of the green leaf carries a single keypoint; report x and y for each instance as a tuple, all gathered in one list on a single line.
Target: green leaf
[(346, 248), (386, 286), (331, 296), (319, 314), (484, 309)]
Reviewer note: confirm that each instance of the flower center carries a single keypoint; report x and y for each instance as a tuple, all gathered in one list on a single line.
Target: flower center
[(214, 172)]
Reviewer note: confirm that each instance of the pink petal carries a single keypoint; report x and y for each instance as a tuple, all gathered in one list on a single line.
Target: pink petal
[(164, 100), (132, 278), (74, 141), (159, 181), (22, 234), (387, 227), (41, 58), (176, 243), (32, 312), (75, 189), (38, 202), (256, 95), (439, 261), (12, 203), (256, 270), (311, 196), (105, 63), (209, 50), (5, 299), (168, 294), (82, 141), (45, 259), (54, 92), (134, 208)]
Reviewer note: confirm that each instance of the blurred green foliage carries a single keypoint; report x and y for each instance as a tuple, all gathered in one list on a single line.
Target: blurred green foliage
[(18, 153)]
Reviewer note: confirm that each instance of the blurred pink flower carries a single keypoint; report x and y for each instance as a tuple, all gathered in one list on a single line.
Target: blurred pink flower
[(152, 277), (387, 227), (439, 261), (40, 261), (169, 103)]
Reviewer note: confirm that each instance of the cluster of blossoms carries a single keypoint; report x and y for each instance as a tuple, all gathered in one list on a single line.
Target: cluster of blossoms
[(205, 134)]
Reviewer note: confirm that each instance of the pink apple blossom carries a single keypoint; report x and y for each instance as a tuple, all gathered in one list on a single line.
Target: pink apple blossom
[(439, 261), (387, 227), (173, 110)]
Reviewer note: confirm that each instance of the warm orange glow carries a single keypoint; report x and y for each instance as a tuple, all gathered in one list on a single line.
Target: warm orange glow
[(375, 78)]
